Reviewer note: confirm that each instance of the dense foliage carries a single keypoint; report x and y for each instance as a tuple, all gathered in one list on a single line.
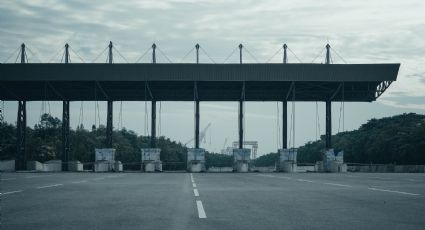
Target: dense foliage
[(399, 139)]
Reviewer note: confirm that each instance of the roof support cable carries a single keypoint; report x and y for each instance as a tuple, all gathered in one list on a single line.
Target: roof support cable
[(75, 52), (11, 55), (250, 54), (163, 54), (295, 55), (187, 54), (274, 55), (97, 57), (230, 55), (119, 53), (209, 57), (319, 54)]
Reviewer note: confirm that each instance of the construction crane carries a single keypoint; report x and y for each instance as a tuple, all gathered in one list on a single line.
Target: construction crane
[(201, 135)]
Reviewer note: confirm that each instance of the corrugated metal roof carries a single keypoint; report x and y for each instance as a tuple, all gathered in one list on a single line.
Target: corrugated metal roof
[(199, 72)]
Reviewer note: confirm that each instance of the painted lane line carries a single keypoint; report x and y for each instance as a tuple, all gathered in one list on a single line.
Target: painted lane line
[(281, 177), (11, 192), (29, 177), (78, 182), (195, 191), (302, 180), (8, 179), (100, 178), (194, 185), (394, 191), (201, 211), (341, 185), (49, 186)]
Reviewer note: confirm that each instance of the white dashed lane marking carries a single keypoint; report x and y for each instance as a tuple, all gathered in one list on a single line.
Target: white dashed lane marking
[(341, 185), (201, 211), (78, 182), (394, 191), (11, 192), (49, 186), (195, 192)]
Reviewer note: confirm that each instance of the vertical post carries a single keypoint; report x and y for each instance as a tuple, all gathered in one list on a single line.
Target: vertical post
[(110, 55), (285, 124), (328, 124), (197, 124), (197, 104), (328, 108), (153, 124), (197, 53), (109, 128), (65, 123), (240, 124), (66, 53), (23, 53), (285, 108), (65, 135), (153, 53), (328, 54), (21, 125), (240, 53)]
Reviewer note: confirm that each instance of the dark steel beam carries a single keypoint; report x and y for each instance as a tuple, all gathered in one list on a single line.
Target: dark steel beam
[(21, 125), (285, 124), (65, 135), (328, 124), (153, 125), (197, 124), (109, 128), (241, 123)]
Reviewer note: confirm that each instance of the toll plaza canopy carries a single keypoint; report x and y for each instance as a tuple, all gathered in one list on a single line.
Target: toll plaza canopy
[(189, 82)]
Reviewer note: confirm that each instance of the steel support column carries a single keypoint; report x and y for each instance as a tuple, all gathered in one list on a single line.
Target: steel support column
[(241, 124), (197, 124), (328, 124), (109, 128), (284, 124), (21, 125), (65, 135), (153, 125)]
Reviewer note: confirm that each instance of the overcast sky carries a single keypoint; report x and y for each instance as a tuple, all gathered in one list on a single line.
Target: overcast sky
[(372, 31)]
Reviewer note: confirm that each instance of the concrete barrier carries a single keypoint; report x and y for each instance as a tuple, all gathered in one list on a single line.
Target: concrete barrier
[(118, 166), (288, 166), (52, 166), (75, 166), (241, 166), (310, 168), (196, 160), (35, 166), (387, 168), (102, 166), (7, 165), (241, 159), (220, 169), (263, 169)]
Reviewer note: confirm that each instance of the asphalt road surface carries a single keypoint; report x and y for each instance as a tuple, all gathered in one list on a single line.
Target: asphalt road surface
[(212, 201)]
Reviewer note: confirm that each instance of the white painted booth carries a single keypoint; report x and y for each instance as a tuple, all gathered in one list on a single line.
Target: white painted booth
[(196, 160), (288, 160), (241, 159), (151, 161)]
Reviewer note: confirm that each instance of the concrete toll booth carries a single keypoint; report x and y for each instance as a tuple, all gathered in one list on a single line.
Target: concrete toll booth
[(151, 161), (241, 159), (105, 160), (196, 160), (332, 162), (288, 160)]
